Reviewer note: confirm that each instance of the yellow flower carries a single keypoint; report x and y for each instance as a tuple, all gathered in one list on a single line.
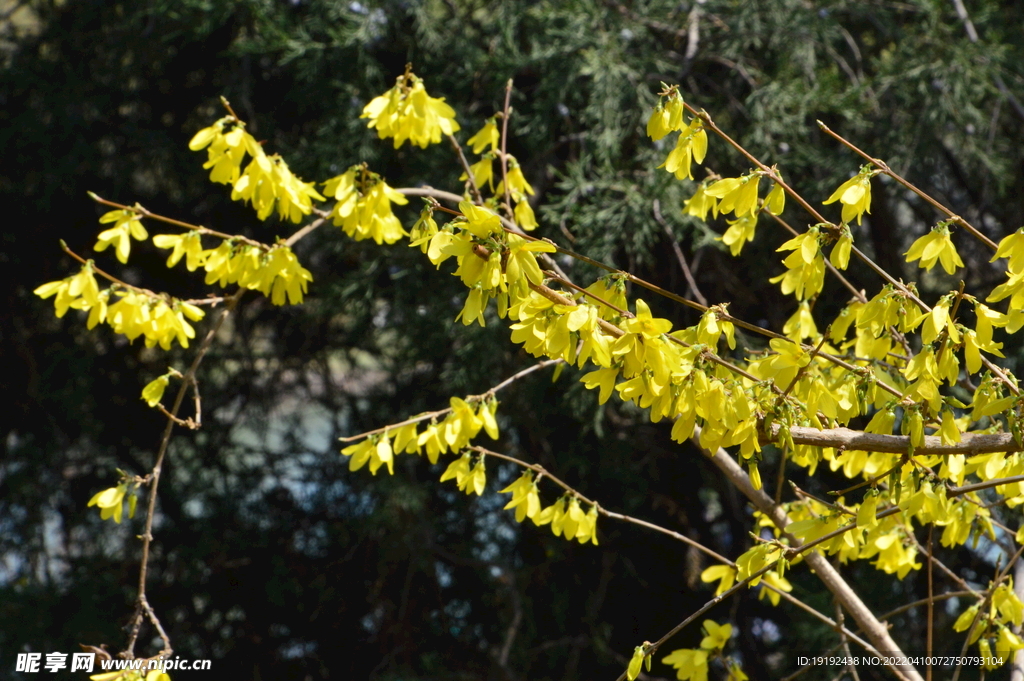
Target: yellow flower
[(855, 195), (524, 214), (840, 256), (801, 325), (633, 670), (645, 324), (483, 172), (1012, 247), (480, 221), (154, 390), (717, 635), (486, 136), (517, 184), (658, 123), (738, 194), (127, 222), (525, 497), (365, 213), (226, 149), (690, 665), (724, 573), (739, 233), (936, 246), (110, 502), (771, 578), (700, 203), (692, 145), (188, 244), (587, 527), (407, 112), (775, 202)]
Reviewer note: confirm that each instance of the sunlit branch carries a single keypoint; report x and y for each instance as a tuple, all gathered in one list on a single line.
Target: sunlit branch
[(884, 167), (472, 398)]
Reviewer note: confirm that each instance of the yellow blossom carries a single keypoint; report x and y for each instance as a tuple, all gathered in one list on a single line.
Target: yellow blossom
[(936, 246), (486, 136), (407, 112), (110, 502), (126, 223), (855, 195), (154, 390)]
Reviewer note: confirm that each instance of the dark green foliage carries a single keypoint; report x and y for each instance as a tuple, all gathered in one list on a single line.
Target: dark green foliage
[(270, 556)]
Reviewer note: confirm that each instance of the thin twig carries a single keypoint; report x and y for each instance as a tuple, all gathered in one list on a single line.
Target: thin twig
[(884, 167), (505, 112), (465, 167), (471, 398), (683, 265)]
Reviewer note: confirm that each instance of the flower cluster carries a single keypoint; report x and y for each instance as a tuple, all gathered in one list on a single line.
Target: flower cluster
[(692, 143), (266, 182), (407, 112), (454, 434), (274, 270), (159, 319), (363, 208), (127, 223), (691, 664)]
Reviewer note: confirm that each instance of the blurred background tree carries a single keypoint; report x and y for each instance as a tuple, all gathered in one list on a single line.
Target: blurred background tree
[(271, 558)]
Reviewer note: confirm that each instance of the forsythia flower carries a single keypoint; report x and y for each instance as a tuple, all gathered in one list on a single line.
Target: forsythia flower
[(226, 149), (268, 181), (375, 451), (364, 212), (154, 390), (717, 635), (265, 183), (700, 203), (483, 172), (525, 217), (840, 256), (666, 117), (525, 497), (188, 244), (775, 202), (80, 287), (738, 194), (1012, 247), (110, 502), (407, 112), (692, 145), (486, 136), (517, 184), (855, 195), (126, 222), (633, 670), (724, 573), (480, 221), (739, 233), (936, 246)]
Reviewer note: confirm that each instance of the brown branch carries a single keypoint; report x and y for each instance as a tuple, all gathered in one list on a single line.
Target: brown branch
[(504, 146), (470, 398), (876, 632), (465, 167), (884, 167), (178, 223), (683, 265), (855, 440)]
